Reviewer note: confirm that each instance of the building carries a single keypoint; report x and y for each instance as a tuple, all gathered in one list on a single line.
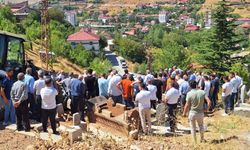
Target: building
[(70, 16), (245, 25), (191, 27), (239, 21), (85, 37), (190, 21), (131, 32), (31, 2), (20, 10), (208, 20), (163, 18), (105, 18)]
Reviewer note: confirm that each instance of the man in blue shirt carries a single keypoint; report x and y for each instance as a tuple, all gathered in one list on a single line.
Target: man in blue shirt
[(9, 114), (184, 89), (215, 83), (103, 86), (77, 90), (29, 81)]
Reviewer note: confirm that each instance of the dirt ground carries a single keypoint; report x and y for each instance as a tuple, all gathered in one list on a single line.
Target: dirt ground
[(228, 133), (13, 141)]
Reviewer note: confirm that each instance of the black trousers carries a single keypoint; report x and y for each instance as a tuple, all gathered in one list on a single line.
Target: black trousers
[(51, 114), (37, 108), (153, 104), (31, 101), (22, 115), (172, 115), (78, 105)]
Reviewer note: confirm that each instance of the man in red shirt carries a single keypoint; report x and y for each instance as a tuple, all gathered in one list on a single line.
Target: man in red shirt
[(126, 86)]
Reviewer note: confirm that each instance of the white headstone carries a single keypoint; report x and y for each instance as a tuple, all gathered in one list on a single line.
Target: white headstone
[(242, 93)]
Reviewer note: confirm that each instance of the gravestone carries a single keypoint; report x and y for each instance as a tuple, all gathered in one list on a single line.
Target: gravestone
[(60, 110), (242, 94), (83, 126), (68, 103), (98, 101), (161, 114), (76, 119)]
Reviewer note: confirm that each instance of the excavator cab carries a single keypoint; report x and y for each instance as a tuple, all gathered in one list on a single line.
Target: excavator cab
[(12, 52), (11, 55)]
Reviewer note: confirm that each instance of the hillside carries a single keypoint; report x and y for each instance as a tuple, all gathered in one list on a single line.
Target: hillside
[(60, 64), (242, 10)]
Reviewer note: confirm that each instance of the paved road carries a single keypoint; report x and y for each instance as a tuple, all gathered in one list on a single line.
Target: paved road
[(115, 61)]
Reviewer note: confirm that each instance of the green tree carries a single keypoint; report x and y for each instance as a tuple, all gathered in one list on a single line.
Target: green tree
[(155, 35), (7, 20), (103, 42), (224, 37), (204, 53), (81, 56), (100, 65), (173, 52), (130, 49), (33, 31)]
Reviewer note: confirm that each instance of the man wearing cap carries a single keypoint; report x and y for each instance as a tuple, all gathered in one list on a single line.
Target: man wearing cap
[(9, 113), (48, 94), (38, 85), (19, 97)]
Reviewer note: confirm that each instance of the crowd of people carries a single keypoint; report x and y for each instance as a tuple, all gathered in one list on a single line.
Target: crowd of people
[(34, 95)]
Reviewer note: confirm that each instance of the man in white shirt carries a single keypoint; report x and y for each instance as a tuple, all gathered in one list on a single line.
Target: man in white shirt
[(148, 76), (226, 93), (143, 99), (152, 89), (171, 100), (114, 90), (38, 85), (48, 94), (179, 79), (239, 85), (235, 85), (207, 86)]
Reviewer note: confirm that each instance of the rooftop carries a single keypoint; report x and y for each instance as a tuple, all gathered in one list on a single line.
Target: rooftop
[(83, 35)]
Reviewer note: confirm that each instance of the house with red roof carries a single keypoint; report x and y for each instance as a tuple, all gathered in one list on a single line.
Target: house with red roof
[(191, 27), (131, 32), (85, 37), (245, 25)]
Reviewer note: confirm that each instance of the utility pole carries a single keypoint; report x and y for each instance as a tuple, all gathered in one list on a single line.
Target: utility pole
[(45, 37)]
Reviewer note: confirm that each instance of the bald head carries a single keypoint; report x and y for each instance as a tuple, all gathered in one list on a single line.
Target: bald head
[(29, 71), (20, 76)]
